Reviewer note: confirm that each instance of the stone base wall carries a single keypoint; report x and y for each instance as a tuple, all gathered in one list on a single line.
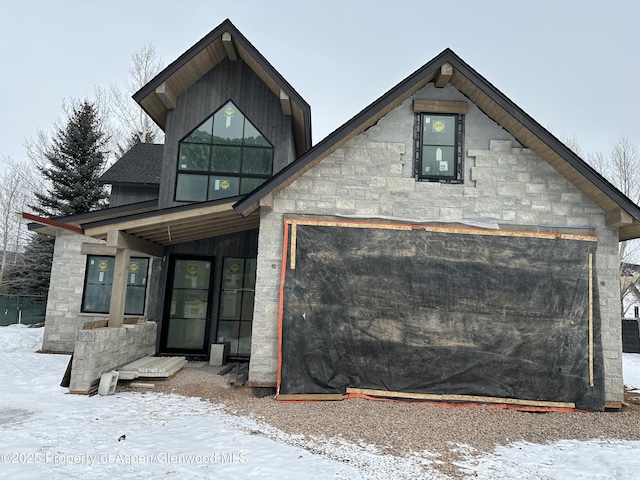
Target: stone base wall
[(65, 292), (101, 350)]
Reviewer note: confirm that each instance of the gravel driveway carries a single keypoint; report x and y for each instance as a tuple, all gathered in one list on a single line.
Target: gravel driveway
[(400, 428)]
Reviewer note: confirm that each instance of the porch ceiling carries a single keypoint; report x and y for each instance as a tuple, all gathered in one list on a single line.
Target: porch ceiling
[(178, 226)]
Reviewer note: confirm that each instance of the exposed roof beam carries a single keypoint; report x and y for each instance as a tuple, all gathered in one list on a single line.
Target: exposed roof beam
[(227, 41), (266, 202), (97, 249), (617, 218), (154, 219), (49, 222), (122, 240), (439, 106), (285, 102), (166, 95), (444, 75)]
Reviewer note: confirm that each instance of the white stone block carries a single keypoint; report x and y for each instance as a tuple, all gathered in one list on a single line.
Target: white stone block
[(218, 353), (108, 383)]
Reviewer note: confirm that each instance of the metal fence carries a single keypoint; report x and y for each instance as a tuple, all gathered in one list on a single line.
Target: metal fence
[(26, 309)]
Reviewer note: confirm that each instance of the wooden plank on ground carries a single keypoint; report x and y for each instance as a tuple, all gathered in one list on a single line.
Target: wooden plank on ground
[(227, 369), (66, 378), (459, 398), (613, 405)]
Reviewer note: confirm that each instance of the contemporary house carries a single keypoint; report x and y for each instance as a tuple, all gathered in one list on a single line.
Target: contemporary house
[(440, 245)]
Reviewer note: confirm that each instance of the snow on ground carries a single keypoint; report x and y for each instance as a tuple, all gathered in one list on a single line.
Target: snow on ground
[(631, 370), (45, 433)]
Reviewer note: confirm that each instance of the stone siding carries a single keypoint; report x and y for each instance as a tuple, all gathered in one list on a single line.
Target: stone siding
[(65, 292), (101, 350), (503, 184)]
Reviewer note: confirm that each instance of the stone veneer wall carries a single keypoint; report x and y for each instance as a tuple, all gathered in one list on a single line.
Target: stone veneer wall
[(502, 184), (101, 350), (65, 292)]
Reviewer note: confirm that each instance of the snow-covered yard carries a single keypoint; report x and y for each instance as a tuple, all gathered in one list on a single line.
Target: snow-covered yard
[(47, 433)]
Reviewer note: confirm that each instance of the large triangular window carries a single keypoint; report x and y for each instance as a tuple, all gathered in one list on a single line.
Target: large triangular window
[(225, 156)]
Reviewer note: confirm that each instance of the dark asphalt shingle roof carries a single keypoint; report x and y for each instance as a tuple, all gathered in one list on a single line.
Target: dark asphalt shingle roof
[(140, 165)]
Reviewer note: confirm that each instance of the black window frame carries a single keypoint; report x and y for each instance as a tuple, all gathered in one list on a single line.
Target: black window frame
[(457, 177), (213, 175), (83, 309)]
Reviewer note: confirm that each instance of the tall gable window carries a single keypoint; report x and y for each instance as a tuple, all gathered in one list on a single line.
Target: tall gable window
[(225, 156), (438, 141)]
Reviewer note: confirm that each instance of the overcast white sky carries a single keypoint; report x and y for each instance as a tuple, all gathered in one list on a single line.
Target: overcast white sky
[(571, 64)]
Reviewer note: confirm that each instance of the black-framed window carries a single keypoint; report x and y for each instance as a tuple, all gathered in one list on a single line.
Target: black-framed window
[(223, 157), (438, 147), (99, 278)]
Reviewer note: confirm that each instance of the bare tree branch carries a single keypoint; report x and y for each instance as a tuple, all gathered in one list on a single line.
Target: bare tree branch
[(134, 124), (14, 197)]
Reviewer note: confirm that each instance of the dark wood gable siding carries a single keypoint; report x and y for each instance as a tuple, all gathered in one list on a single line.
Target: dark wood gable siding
[(127, 194), (229, 80)]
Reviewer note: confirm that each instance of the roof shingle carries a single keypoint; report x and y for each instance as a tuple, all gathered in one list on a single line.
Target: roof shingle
[(142, 164)]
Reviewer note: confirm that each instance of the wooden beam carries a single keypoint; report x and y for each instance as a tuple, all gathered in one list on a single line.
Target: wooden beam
[(166, 219), (122, 240), (119, 288), (460, 398), (439, 106), (166, 95), (252, 383), (97, 249), (444, 75), (618, 218), (266, 202), (293, 247), (613, 405), (285, 102), (227, 41), (366, 223), (51, 223), (591, 378)]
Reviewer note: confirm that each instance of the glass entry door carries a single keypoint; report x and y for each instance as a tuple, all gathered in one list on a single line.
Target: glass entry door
[(187, 328), (236, 305)]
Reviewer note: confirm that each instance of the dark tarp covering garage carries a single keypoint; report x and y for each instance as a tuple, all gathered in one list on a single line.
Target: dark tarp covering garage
[(440, 311)]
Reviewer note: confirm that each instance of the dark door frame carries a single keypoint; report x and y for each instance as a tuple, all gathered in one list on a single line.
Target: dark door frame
[(166, 316)]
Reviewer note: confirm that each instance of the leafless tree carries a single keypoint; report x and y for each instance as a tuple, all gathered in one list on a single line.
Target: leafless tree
[(134, 125), (573, 143), (622, 169), (14, 197)]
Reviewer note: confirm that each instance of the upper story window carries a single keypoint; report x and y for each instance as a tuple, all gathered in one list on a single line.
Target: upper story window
[(438, 142), (225, 156)]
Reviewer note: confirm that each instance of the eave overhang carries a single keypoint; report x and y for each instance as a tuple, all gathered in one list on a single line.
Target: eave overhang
[(179, 224), (447, 67), (158, 96), (49, 226)]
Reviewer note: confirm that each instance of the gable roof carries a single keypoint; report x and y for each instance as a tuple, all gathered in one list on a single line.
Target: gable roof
[(225, 41), (447, 67), (142, 164)]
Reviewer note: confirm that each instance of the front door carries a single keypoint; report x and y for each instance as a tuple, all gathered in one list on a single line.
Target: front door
[(235, 314), (188, 309)]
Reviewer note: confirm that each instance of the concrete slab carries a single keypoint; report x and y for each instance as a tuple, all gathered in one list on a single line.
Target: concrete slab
[(156, 367)]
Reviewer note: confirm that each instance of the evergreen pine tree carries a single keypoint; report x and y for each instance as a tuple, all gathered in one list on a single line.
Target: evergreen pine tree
[(74, 162), (31, 275)]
